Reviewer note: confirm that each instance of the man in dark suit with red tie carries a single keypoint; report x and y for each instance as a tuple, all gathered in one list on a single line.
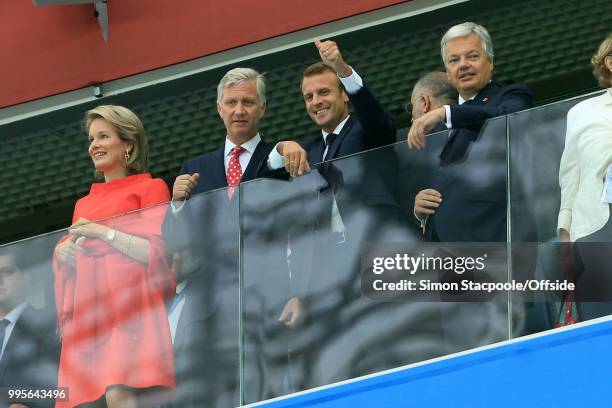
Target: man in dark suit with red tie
[(454, 208), (241, 103), (201, 228)]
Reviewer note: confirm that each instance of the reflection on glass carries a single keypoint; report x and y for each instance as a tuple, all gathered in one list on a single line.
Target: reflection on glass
[(203, 238), (29, 346), (297, 316), (307, 322), (537, 140)]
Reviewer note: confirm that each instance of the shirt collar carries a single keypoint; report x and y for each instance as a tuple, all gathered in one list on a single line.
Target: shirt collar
[(338, 128), (461, 100), (14, 314), (249, 145)]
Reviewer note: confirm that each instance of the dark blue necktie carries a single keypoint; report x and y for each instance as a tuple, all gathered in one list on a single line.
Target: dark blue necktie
[(328, 142)]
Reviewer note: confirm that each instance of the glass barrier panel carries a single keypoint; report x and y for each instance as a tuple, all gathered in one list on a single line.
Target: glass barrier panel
[(537, 140), (315, 249), (204, 240), (144, 305), (294, 283), (29, 343)]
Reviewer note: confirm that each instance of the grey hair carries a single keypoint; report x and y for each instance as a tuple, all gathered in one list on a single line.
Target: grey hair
[(440, 88), (239, 76), (463, 30)]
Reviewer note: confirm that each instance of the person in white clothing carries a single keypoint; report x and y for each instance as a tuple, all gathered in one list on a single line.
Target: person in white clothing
[(585, 177)]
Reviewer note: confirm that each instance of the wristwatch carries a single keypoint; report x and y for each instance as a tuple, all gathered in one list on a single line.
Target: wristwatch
[(110, 235)]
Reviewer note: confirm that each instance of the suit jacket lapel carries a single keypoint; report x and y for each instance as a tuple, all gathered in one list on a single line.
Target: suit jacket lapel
[(180, 333), (482, 98), (316, 149), (257, 161), (218, 169), (21, 327), (453, 132), (486, 93), (7, 352), (333, 149)]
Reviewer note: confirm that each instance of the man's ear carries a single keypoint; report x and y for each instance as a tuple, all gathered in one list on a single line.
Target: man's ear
[(425, 103), (263, 109), (219, 110), (345, 97)]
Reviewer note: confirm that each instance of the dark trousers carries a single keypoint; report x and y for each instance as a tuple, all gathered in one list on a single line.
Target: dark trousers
[(592, 258)]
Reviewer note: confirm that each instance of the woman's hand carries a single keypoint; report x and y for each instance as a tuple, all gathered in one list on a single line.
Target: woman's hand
[(66, 251), (85, 228)]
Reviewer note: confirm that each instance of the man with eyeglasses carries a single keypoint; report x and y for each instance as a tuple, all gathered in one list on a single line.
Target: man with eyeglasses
[(432, 91)]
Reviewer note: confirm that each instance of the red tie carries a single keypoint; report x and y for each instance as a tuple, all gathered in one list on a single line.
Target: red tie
[(234, 170)]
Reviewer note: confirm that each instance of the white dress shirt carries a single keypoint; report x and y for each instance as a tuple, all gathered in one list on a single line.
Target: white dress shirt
[(337, 225), (176, 308), (336, 131), (245, 157), (586, 157), (447, 109)]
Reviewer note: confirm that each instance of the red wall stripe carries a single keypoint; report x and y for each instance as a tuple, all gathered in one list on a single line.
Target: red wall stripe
[(49, 50)]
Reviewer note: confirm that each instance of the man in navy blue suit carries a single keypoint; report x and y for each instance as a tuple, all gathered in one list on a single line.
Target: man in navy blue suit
[(201, 229), (466, 197), (462, 211), (362, 195), (241, 103), (328, 87), (358, 206)]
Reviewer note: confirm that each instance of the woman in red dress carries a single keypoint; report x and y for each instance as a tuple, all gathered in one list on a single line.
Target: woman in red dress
[(112, 277)]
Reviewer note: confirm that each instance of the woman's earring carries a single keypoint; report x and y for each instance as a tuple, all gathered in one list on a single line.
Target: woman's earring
[(127, 156)]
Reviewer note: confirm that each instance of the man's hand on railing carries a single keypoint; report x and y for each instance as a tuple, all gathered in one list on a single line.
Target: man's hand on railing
[(292, 312), (296, 158)]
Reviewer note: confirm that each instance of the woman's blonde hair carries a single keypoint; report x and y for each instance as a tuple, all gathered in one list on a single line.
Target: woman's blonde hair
[(130, 130), (601, 72)]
